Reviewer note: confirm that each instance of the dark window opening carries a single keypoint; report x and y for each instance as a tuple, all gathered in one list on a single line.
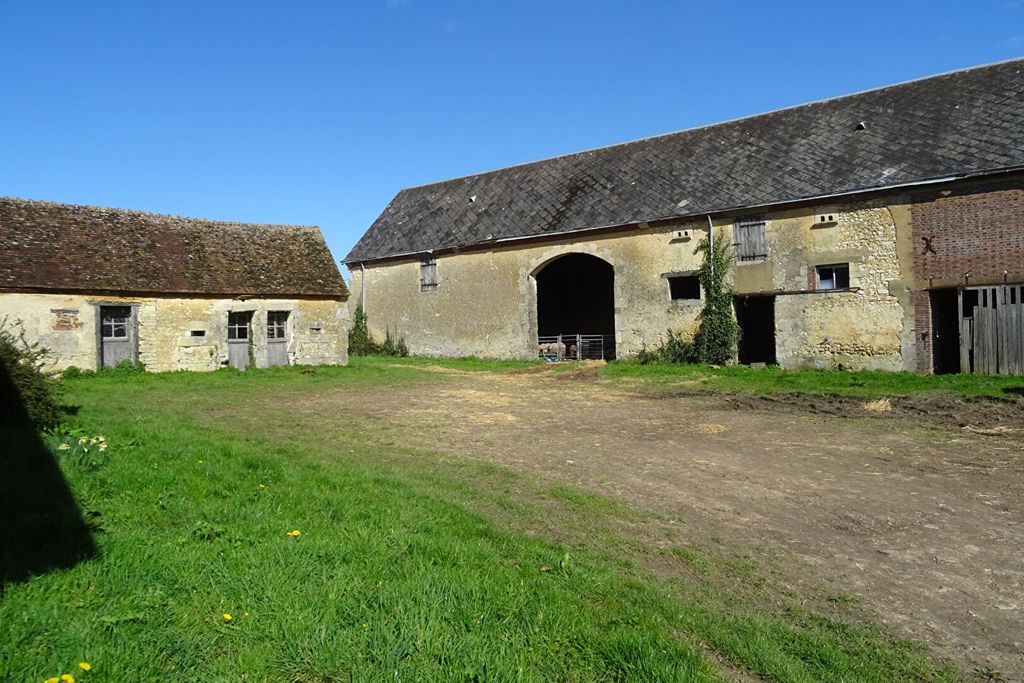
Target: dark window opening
[(684, 287), (277, 323), (428, 274), (748, 232), (238, 326), (114, 321), (198, 333), (834, 277)]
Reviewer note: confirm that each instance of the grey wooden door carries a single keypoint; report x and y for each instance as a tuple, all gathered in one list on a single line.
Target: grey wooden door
[(239, 336), (277, 338), (117, 335)]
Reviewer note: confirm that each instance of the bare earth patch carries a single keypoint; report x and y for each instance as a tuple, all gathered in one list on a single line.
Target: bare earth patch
[(911, 507)]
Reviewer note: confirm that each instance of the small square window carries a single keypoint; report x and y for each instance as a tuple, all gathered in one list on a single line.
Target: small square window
[(834, 277), (238, 325), (684, 287), (277, 324)]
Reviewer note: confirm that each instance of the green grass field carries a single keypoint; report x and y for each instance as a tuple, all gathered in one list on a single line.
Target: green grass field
[(409, 565)]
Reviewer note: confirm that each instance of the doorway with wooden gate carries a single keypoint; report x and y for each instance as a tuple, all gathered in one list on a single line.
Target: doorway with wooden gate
[(992, 329), (117, 336)]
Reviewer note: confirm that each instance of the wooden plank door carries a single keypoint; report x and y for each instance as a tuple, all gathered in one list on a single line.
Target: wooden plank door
[(117, 335), (277, 338), (239, 336)]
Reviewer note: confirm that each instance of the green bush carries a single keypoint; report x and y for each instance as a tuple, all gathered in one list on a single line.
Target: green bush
[(38, 392), (360, 343), (675, 349)]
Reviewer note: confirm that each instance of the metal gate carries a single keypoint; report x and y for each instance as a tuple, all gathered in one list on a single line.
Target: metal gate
[(992, 330), (576, 347)]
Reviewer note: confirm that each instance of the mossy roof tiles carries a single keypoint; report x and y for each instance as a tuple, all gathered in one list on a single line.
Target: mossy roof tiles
[(47, 246)]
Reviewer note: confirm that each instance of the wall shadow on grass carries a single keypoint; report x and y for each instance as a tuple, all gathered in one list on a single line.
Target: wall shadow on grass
[(41, 527)]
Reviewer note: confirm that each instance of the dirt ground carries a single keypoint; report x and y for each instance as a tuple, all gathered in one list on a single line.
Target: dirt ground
[(913, 506)]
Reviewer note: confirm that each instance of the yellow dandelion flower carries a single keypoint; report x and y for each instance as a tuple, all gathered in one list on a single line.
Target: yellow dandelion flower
[(227, 617), (294, 533), (103, 446), (94, 440), (263, 487), (52, 679), (199, 462), (84, 440), (67, 678), (245, 614), (63, 447), (85, 666)]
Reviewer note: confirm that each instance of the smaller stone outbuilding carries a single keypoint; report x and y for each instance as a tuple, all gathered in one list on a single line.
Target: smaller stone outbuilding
[(98, 286)]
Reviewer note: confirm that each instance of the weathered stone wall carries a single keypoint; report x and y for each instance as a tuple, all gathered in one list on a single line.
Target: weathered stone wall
[(485, 304), (67, 326), (486, 301), (861, 328)]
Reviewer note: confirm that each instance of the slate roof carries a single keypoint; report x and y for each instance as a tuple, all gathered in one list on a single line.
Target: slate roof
[(64, 247), (960, 123)]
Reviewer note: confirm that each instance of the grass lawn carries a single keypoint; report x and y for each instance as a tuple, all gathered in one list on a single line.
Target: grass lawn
[(409, 565), (773, 380)]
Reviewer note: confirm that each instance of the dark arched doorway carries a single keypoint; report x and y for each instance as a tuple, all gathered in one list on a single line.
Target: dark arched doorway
[(576, 308)]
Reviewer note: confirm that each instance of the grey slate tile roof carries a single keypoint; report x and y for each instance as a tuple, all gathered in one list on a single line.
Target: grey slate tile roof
[(45, 246), (961, 123)]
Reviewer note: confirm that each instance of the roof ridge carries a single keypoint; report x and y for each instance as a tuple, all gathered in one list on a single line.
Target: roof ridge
[(716, 124), (150, 214)]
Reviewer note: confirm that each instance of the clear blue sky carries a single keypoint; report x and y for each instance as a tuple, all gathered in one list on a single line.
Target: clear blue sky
[(317, 112)]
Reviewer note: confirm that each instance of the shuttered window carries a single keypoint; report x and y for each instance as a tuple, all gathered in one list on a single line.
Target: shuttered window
[(428, 274), (749, 236)]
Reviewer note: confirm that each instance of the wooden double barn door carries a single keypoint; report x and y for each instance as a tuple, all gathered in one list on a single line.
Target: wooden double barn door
[(117, 335), (992, 330), (242, 345)]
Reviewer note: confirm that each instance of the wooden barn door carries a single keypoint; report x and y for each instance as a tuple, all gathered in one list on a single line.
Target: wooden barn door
[(992, 330), (277, 338), (117, 335), (239, 335)]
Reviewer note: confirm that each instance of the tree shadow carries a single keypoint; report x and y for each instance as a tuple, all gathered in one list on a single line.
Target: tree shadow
[(41, 527), (1019, 391)]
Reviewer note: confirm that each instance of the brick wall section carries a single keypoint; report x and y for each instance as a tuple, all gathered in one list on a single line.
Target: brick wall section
[(923, 330), (975, 228)]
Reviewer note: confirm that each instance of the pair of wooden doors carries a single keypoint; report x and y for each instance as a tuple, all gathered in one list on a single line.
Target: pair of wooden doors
[(241, 351)]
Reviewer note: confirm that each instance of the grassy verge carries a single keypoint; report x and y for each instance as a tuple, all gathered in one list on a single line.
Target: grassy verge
[(408, 566), (773, 380)]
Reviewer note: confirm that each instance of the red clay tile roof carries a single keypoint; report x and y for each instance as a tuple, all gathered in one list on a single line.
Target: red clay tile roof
[(66, 247)]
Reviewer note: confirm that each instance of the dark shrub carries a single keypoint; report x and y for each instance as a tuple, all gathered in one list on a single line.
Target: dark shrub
[(38, 391)]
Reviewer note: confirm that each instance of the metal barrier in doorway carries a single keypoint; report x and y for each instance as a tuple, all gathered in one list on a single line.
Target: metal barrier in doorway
[(576, 347)]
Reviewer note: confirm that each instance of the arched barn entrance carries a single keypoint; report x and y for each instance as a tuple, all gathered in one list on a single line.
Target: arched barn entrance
[(576, 308)]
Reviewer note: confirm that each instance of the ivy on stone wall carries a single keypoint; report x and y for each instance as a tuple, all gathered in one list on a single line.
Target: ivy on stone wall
[(717, 330)]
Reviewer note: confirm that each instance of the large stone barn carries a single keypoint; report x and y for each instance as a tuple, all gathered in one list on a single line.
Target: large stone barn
[(100, 286), (883, 229)]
